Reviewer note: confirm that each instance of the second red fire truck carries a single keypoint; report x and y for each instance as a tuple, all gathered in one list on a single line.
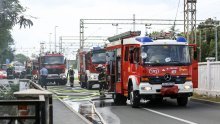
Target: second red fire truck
[(143, 68), (56, 66), (87, 61)]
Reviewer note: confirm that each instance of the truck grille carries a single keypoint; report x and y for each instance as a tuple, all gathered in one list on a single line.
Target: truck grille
[(54, 71), (160, 80)]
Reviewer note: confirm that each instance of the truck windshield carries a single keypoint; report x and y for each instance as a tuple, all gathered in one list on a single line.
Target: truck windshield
[(165, 55), (98, 57), (54, 60)]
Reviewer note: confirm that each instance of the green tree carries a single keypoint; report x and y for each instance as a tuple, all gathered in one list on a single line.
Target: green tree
[(21, 58), (208, 40), (11, 13)]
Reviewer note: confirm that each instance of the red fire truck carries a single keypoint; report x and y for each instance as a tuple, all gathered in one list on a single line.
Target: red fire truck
[(55, 64), (142, 68), (87, 61)]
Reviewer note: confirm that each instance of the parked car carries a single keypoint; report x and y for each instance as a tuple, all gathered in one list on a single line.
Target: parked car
[(18, 71), (3, 74)]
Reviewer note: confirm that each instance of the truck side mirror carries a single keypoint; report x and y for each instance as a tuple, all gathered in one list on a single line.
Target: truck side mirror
[(64, 61)]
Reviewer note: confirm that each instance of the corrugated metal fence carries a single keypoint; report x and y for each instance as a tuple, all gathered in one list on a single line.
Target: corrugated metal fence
[(209, 78)]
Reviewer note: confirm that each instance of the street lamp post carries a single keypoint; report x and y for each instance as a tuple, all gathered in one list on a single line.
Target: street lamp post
[(216, 42), (55, 38)]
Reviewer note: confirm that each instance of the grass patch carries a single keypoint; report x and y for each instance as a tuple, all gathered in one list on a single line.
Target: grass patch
[(205, 97)]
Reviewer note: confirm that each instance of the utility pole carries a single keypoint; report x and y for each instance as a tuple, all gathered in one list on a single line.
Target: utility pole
[(200, 45), (81, 34), (216, 42), (55, 38), (190, 20), (41, 48), (133, 22), (61, 44), (50, 40)]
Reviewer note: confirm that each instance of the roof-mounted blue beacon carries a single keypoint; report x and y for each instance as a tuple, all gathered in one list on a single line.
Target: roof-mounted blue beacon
[(144, 39), (181, 39)]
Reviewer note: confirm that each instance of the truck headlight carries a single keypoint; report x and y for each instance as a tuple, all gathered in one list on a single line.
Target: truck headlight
[(187, 87), (62, 76), (92, 76), (146, 88)]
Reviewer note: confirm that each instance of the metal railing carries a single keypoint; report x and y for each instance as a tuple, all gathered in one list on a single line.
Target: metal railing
[(38, 117), (28, 108)]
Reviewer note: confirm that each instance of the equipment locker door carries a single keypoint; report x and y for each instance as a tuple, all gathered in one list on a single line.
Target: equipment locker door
[(194, 59)]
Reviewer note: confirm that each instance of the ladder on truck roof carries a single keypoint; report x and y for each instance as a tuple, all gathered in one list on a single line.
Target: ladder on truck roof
[(124, 35)]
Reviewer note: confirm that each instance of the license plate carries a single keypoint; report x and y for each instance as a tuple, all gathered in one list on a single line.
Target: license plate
[(168, 84)]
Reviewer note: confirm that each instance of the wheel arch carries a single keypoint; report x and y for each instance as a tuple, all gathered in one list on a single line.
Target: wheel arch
[(132, 80)]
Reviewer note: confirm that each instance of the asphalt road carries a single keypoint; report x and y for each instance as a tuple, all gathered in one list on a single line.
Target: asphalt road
[(166, 113)]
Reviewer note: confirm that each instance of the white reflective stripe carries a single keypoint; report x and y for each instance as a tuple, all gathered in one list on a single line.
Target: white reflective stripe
[(170, 116)]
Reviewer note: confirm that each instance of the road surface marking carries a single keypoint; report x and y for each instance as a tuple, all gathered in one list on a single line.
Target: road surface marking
[(170, 116)]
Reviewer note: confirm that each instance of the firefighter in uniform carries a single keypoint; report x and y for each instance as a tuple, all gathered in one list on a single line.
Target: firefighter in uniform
[(71, 76), (10, 72), (102, 79)]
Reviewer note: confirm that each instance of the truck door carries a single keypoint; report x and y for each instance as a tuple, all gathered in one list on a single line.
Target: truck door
[(126, 69), (194, 67), (110, 60), (134, 59), (118, 65)]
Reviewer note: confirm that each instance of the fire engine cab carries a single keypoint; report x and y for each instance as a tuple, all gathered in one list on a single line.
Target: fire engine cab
[(87, 61), (143, 68), (56, 66)]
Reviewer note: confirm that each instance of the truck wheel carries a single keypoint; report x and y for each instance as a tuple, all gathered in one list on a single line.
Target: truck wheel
[(89, 85), (64, 82), (182, 101), (134, 98), (83, 84), (119, 99), (80, 83)]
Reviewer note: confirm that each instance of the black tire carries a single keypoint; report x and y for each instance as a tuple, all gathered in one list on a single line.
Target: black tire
[(89, 85), (134, 97), (119, 99), (81, 84), (64, 82), (182, 101)]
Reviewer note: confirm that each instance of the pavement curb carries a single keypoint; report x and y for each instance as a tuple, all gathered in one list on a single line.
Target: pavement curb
[(204, 101), (79, 115)]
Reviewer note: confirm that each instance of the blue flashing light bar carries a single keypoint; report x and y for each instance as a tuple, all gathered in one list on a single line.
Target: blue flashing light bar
[(144, 39), (96, 48), (181, 39)]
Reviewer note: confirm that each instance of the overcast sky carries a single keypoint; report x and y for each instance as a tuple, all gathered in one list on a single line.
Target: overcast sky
[(67, 13)]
